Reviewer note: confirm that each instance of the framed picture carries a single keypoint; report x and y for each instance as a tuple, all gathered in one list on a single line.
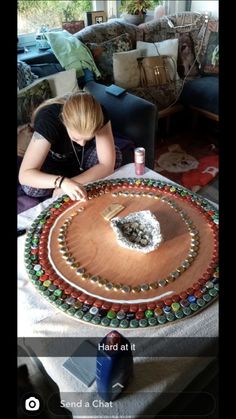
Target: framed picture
[(95, 17), (98, 19)]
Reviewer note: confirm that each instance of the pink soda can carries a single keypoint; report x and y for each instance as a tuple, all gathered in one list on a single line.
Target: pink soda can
[(139, 161)]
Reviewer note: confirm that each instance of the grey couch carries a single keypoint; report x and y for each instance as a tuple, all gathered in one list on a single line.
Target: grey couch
[(199, 91)]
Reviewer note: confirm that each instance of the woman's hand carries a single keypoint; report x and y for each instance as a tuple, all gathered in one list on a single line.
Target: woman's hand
[(73, 189)]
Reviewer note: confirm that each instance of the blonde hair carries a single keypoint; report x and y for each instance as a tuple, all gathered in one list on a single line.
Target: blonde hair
[(80, 112)]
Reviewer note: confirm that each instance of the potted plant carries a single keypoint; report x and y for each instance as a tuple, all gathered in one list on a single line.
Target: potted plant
[(70, 23), (135, 10)]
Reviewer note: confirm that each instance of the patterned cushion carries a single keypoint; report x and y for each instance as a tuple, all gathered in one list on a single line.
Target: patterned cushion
[(102, 32), (162, 96), (167, 27), (24, 75), (103, 54), (29, 98), (187, 26), (184, 26), (187, 64), (208, 48), (157, 30)]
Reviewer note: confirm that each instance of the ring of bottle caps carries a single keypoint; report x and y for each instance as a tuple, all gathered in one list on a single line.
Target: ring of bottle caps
[(84, 307)]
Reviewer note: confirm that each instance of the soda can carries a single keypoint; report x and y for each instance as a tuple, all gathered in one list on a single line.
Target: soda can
[(139, 161)]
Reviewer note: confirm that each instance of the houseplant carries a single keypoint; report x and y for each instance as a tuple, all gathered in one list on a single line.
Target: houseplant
[(71, 14), (135, 10)]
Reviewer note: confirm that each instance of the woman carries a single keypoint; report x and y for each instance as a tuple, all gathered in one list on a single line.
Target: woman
[(72, 144)]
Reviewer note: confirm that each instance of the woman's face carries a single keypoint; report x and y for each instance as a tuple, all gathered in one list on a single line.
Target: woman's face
[(78, 138)]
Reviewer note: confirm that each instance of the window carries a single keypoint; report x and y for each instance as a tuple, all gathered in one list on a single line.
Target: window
[(32, 15)]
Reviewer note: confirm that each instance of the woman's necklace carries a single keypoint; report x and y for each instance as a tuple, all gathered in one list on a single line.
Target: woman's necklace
[(77, 158)]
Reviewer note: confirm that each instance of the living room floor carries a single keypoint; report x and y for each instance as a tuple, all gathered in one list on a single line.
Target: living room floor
[(200, 137)]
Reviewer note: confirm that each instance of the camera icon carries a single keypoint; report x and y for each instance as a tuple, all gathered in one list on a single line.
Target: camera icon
[(32, 404)]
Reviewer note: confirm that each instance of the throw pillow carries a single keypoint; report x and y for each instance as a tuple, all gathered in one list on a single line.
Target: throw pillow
[(167, 47), (103, 54), (29, 98), (63, 82), (125, 68), (71, 52), (24, 75), (187, 63), (208, 48)]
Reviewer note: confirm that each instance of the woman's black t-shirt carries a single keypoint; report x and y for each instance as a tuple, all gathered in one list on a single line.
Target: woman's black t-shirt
[(61, 158)]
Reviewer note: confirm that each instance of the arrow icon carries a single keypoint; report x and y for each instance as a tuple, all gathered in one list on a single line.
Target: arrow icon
[(117, 384)]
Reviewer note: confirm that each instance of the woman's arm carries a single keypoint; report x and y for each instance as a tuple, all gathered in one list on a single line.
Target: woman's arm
[(106, 156), (33, 160), (31, 175)]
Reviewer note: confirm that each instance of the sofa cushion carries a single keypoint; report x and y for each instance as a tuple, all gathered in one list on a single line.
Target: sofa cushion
[(187, 64), (202, 93), (44, 57), (157, 30), (161, 96), (45, 69), (167, 47), (29, 98), (105, 31), (125, 68), (207, 48), (166, 27), (24, 75), (187, 26), (184, 26), (103, 54), (63, 82)]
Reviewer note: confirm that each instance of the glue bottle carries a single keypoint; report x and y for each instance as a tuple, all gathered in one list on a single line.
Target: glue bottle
[(114, 365), (139, 161)]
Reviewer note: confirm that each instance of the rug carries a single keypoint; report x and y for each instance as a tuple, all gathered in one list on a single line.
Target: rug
[(192, 165)]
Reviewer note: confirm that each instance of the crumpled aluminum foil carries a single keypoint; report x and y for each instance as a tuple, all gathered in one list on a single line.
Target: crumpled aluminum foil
[(138, 231)]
